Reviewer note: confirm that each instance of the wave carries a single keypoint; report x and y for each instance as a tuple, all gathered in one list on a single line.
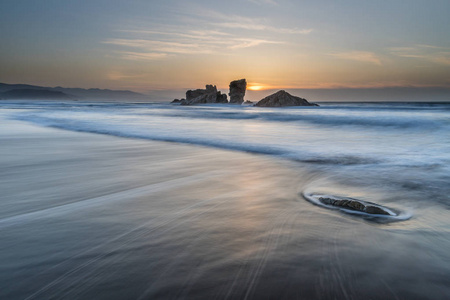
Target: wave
[(418, 116), (138, 133), (290, 133), (346, 160), (259, 147), (320, 116)]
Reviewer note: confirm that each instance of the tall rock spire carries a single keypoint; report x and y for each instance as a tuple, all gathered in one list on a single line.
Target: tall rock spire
[(237, 91)]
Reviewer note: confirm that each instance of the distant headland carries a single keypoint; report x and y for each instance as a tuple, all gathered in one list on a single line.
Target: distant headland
[(35, 92), (237, 93)]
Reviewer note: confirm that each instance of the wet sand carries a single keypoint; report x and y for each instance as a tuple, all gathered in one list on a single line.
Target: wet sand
[(86, 216)]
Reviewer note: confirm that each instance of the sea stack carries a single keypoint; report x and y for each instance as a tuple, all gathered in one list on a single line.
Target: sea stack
[(283, 98), (237, 91), (201, 96)]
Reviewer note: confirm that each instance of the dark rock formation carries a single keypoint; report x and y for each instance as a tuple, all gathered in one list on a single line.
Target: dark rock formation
[(283, 98), (192, 94), (248, 102), (221, 98), (178, 100), (237, 91), (358, 205), (369, 211), (201, 96)]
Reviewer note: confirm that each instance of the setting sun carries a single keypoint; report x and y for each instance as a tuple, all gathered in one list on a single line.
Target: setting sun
[(257, 87)]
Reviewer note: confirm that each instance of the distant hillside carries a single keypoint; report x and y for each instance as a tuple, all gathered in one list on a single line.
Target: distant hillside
[(77, 93), (32, 94)]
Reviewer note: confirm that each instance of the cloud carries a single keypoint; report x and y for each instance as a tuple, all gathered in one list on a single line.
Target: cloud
[(194, 34), (362, 56), (117, 75), (189, 36), (435, 54), (162, 47), (261, 27), (158, 44), (142, 56), (271, 2), (293, 30), (255, 24), (246, 43), (441, 58)]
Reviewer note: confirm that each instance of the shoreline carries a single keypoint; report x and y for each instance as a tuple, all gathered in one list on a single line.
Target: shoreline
[(58, 146), (94, 216)]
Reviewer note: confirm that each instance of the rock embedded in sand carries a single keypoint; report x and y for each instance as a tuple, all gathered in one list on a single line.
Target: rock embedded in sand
[(237, 91), (202, 96), (283, 98), (353, 204)]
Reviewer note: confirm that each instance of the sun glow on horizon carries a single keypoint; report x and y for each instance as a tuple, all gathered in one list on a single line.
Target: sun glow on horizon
[(257, 87)]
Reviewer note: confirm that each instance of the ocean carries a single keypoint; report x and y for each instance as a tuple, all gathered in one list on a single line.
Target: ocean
[(158, 201)]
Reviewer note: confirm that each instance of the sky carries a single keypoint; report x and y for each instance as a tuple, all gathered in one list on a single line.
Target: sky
[(150, 46)]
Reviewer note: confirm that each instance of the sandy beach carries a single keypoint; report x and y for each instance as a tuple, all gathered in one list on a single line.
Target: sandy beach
[(88, 216)]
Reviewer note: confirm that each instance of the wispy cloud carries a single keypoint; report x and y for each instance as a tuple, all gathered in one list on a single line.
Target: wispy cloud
[(159, 44), (271, 2), (442, 58), (254, 24), (435, 54), (162, 47), (148, 49), (117, 75), (142, 56), (246, 43), (195, 34), (261, 27), (224, 34), (362, 56)]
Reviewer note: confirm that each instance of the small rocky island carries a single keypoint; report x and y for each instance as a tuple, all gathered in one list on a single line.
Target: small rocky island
[(203, 96), (237, 93), (283, 98)]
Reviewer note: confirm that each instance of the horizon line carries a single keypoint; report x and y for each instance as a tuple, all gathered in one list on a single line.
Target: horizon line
[(261, 87)]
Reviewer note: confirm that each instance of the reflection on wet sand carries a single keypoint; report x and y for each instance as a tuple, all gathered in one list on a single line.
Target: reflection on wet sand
[(89, 216)]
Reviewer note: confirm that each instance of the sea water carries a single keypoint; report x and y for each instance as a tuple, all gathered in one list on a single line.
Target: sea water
[(397, 144), (393, 154)]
